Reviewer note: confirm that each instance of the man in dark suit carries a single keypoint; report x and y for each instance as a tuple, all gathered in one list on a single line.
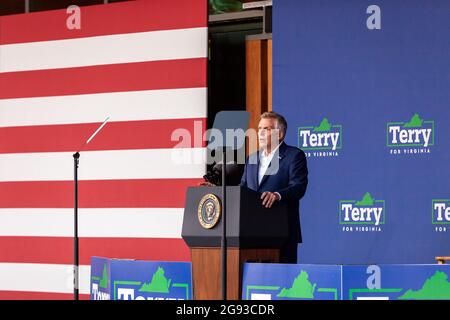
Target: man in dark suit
[(279, 172)]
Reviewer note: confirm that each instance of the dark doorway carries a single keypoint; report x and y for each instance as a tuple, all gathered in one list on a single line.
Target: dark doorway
[(226, 68)]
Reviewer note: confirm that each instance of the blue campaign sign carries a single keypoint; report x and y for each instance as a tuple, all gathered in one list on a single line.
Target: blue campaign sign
[(396, 282), (270, 281), (100, 282), (140, 280)]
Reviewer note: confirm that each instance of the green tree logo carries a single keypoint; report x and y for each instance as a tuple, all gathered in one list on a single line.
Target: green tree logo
[(301, 288), (324, 126), (415, 122), (159, 283), (436, 287), (367, 200), (104, 280)]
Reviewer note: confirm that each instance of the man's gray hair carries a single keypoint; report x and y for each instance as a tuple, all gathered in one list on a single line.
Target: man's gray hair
[(281, 121)]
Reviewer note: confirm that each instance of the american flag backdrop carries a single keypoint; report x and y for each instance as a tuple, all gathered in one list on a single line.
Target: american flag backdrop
[(143, 63)]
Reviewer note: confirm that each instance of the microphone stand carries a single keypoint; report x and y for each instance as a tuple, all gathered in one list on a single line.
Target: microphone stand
[(227, 120), (76, 157), (223, 247), (76, 162)]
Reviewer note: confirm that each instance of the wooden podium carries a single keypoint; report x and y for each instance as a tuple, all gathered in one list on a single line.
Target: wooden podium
[(254, 234)]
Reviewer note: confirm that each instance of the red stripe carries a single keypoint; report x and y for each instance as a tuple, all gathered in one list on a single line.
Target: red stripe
[(170, 74), (27, 295), (134, 248), (139, 193), (149, 134), (127, 17), (59, 250)]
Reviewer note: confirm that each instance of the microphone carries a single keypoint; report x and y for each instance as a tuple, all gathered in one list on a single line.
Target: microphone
[(234, 174)]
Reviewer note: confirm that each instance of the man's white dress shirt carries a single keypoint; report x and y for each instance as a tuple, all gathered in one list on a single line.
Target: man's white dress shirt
[(264, 161)]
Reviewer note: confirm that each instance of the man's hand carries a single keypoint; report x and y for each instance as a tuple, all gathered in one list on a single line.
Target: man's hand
[(206, 184), (268, 198)]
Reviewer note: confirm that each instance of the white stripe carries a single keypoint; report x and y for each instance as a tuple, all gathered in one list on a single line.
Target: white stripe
[(102, 50), (93, 223), (55, 278), (120, 106), (260, 296), (105, 165)]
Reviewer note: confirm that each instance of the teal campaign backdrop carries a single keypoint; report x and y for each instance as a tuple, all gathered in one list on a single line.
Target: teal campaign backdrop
[(118, 279), (365, 87)]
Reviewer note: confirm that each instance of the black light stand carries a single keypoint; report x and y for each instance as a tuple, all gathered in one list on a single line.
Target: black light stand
[(76, 157), (236, 121), (223, 242)]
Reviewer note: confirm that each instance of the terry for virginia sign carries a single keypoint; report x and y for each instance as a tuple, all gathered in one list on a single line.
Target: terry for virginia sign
[(113, 279)]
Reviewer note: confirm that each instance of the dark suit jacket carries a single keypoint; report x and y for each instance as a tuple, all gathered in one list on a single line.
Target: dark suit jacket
[(290, 181)]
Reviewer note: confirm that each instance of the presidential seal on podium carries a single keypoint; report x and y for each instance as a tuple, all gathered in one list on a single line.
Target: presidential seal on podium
[(209, 211)]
